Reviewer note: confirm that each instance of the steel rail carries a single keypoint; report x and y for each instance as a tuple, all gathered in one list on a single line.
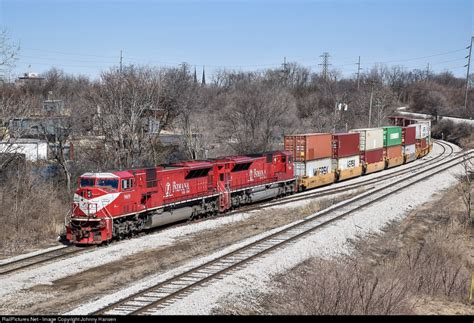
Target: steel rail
[(131, 308), (27, 262)]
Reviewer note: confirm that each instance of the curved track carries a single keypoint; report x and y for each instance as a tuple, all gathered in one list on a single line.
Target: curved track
[(168, 291), (41, 258)]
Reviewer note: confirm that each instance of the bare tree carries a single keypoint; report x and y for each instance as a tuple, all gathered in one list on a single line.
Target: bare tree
[(254, 115), (8, 54)]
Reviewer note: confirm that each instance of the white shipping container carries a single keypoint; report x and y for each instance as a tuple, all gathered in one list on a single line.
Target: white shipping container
[(313, 167), (409, 149), (422, 130), (370, 138), (347, 162)]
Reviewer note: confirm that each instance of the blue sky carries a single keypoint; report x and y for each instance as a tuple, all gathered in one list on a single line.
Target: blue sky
[(85, 37)]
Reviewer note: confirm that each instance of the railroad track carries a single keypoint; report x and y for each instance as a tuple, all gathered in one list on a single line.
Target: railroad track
[(163, 294), (41, 258), (37, 259)]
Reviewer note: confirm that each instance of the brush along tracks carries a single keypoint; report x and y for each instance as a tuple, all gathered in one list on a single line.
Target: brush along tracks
[(161, 295)]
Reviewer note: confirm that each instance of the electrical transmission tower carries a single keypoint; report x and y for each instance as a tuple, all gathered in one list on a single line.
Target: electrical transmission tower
[(325, 64)]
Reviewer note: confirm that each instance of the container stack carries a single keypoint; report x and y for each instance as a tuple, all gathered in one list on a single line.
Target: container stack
[(422, 137), (371, 149), (312, 158), (392, 143), (346, 155), (409, 144)]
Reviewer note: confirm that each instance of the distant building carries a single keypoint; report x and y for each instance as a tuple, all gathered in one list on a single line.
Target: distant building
[(54, 107), (29, 78), (34, 150), (36, 127)]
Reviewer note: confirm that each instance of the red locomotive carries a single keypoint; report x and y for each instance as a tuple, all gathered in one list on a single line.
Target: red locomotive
[(118, 204)]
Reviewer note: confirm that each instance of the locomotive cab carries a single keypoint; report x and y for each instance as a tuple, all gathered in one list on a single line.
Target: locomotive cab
[(96, 201)]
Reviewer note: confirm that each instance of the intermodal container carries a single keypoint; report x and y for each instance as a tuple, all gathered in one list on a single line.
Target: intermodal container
[(409, 149), (370, 138), (422, 130), (311, 146), (313, 167), (345, 144), (408, 136), (372, 156), (393, 152), (421, 143), (346, 162), (392, 136)]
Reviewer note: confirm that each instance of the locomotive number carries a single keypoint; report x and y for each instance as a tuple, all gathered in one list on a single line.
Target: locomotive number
[(351, 163)]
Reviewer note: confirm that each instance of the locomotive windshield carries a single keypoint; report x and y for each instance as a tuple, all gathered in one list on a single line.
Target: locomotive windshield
[(107, 182), (87, 182)]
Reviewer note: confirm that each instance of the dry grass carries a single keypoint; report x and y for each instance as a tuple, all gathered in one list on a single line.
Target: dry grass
[(32, 212)]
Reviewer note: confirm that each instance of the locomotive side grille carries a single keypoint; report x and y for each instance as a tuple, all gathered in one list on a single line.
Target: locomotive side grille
[(151, 177)]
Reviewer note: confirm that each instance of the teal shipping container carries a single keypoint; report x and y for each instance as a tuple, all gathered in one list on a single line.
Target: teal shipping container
[(392, 136)]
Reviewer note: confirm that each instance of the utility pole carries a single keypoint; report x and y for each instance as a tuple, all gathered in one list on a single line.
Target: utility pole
[(284, 64), (325, 64), (427, 71), (358, 73), (467, 75), (370, 104), (121, 61)]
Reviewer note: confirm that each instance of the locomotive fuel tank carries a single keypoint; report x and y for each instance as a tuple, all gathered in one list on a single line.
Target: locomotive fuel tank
[(165, 217)]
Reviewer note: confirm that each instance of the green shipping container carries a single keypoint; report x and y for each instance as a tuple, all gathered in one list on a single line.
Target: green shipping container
[(392, 136)]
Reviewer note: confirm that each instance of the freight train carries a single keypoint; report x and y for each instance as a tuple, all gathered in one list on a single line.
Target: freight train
[(114, 205)]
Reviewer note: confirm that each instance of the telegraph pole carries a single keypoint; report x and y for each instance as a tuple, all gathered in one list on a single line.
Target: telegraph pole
[(467, 75), (358, 73), (325, 64), (284, 64), (121, 58), (370, 104)]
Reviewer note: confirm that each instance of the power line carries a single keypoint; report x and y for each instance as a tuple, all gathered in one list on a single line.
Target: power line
[(136, 59)]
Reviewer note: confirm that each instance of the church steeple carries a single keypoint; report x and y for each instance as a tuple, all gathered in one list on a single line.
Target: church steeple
[(203, 81)]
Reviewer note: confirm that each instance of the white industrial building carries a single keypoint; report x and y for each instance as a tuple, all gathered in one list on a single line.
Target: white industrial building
[(33, 149)]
